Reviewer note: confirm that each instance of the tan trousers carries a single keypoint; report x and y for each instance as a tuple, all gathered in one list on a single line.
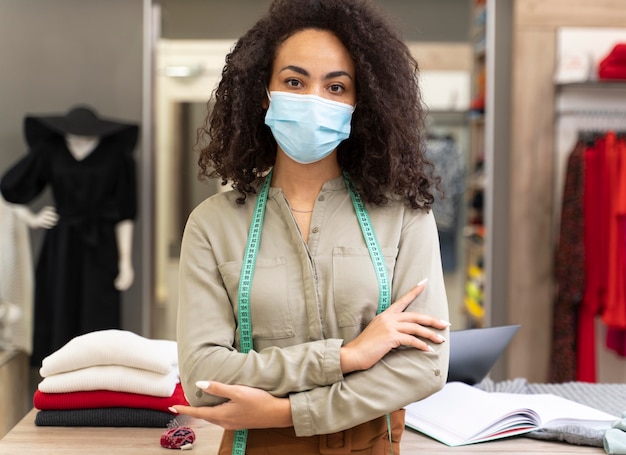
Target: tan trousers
[(369, 438)]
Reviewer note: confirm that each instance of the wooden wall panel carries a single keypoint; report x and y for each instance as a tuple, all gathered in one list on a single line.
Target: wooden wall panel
[(570, 13), (531, 203)]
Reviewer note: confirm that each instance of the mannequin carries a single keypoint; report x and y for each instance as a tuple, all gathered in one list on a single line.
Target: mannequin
[(86, 258), (46, 218), (81, 147)]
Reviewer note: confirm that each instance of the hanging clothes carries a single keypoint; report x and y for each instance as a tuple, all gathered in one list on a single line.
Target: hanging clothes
[(570, 280), (606, 278), (78, 262), (444, 153), (594, 209), (615, 315), (590, 262)]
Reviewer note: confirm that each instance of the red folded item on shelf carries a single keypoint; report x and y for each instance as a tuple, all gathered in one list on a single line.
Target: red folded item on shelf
[(613, 66), (107, 399)]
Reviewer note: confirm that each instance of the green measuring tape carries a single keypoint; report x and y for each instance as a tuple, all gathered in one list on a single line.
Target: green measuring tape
[(247, 272), (245, 285), (384, 290)]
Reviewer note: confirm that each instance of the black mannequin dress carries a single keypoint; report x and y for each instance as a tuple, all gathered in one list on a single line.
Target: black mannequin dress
[(78, 263)]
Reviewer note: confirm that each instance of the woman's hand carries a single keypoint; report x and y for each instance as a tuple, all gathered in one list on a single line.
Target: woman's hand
[(247, 407), (390, 329)]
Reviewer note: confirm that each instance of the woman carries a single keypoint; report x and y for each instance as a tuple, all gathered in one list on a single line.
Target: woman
[(317, 123)]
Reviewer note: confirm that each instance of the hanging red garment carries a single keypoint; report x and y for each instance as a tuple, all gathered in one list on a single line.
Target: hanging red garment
[(614, 313), (621, 218), (615, 317), (595, 259)]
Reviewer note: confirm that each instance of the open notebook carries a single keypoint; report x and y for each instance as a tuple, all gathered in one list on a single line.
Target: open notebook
[(473, 352), (461, 414)]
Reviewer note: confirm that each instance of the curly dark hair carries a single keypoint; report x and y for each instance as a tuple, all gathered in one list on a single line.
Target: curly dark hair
[(384, 153)]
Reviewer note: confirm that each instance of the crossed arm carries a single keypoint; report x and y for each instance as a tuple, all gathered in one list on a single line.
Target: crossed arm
[(249, 407)]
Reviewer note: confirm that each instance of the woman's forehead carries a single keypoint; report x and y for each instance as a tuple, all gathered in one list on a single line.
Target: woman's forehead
[(313, 47)]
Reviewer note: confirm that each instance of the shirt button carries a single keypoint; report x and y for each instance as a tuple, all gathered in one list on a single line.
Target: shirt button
[(315, 230), (437, 372), (321, 198)]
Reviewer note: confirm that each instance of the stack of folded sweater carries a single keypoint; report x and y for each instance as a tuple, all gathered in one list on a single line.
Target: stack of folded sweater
[(109, 378)]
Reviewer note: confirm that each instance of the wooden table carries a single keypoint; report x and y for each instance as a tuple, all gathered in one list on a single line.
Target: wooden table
[(26, 438)]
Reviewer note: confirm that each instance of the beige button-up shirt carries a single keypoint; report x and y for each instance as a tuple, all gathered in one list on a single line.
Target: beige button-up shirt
[(306, 301)]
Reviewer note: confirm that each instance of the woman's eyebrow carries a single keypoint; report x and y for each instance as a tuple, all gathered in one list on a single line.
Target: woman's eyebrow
[(295, 69), (300, 70), (335, 74)]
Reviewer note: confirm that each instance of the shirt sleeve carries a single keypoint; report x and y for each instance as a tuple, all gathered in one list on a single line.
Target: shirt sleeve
[(124, 144), (403, 376), (126, 191)]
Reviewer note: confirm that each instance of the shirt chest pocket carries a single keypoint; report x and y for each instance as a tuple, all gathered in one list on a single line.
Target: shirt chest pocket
[(269, 301), (355, 285)]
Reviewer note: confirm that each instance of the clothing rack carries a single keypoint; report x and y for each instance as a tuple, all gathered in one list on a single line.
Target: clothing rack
[(593, 113), (590, 136), (592, 123)]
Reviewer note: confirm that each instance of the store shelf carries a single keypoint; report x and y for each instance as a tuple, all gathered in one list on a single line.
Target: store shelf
[(596, 84), (474, 231)]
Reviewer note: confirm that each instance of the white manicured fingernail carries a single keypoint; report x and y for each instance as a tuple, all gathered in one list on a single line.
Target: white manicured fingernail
[(442, 338), (422, 282), (172, 410), (430, 348), (445, 322), (203, 385)]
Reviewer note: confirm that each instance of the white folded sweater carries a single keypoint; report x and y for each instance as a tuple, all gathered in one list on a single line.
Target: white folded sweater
[(112, 347), (112, 377)]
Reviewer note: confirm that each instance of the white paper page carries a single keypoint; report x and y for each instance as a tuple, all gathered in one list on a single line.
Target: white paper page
[(556, 411)]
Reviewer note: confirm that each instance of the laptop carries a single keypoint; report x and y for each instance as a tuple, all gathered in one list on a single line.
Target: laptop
[(473, 352)]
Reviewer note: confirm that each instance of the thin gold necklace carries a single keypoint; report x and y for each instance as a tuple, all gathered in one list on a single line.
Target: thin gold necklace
[(301, 211)]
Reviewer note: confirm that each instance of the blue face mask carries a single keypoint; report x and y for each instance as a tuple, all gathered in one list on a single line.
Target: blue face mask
[(307, 127)]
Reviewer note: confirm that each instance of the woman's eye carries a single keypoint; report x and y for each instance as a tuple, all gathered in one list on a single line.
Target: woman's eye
[(293, 82), (336, 88)]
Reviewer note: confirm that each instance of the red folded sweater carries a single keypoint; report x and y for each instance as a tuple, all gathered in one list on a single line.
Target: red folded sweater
[(106, 399)]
